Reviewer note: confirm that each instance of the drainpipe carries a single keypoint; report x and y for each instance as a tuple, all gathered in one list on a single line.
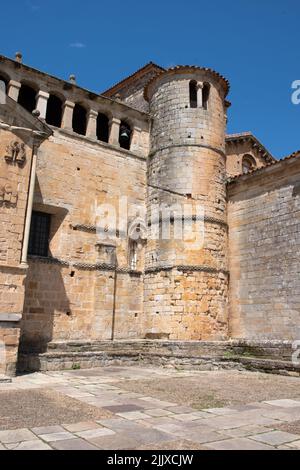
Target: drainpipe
[(29, 206), (114, 305)]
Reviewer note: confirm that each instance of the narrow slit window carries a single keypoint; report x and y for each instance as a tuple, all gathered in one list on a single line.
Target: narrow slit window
[(205, 95), (54, 111), (79, 119), (125, 135), (102, 127), (27, 98), (193, 94)]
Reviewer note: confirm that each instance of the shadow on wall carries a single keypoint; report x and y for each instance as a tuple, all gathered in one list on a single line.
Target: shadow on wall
[(46, 286), (46, 302)]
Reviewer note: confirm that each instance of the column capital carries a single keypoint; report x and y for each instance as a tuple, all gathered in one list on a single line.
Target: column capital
[(115, 120), (13, 83), (93, 114), (43, 94), (69, 104)]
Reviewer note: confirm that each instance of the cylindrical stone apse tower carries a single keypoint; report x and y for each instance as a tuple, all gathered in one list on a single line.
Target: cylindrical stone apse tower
[(186, 281)]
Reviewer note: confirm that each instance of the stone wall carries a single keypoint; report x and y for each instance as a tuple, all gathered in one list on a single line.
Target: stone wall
[(14, 177), (264, 249), (73, 294)]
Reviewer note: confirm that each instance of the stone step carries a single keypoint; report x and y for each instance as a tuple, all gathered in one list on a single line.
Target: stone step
[(187, 355)]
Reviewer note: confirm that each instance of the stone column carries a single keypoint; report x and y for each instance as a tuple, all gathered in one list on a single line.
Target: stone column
[(14, 89), (42, 101), (67, 120), (29, 208), (200, 94), (114, 131), (92, 124), (135, 139)]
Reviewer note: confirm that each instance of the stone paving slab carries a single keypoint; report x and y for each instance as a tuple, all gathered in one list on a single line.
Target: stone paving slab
[(133, 415), (47, 430), (18, 435), (123, 408), (238, 444), (57, 436), (133, 421), (93, 433), (284, 403), (73, 444), (275, 438), (83, 426), (295, 445), (119, 442), (158, 412), (29, 445)]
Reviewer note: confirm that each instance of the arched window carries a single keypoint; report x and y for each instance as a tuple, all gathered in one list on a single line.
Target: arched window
[(5, 79), (102, 127), (54, 111), (193, 94), (27, 97), (125, 135), (248, 163), (205, 95), (79, 119)]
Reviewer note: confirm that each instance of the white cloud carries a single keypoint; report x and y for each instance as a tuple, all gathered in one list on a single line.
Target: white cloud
[(78, 45), (33, 6)]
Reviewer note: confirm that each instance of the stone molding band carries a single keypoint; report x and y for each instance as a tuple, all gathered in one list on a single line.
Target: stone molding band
[(212, 220), (204, 146), (186, 268), (111, 267), (85, 266), (194, 218)]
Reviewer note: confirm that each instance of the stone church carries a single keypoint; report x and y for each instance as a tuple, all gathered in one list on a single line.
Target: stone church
[(69, 298)]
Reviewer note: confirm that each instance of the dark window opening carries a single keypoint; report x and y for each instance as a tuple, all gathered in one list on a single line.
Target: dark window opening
[(79, 119), (125, 135), (102, 127), (39, 234), (205, 95), (193, 94), (27, 98), (248, 164), (54, 111)]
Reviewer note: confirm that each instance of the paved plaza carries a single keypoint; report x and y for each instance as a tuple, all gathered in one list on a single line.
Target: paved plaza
[(91, 410)]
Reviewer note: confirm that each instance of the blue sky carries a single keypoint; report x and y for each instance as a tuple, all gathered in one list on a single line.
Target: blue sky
[(254, 43)]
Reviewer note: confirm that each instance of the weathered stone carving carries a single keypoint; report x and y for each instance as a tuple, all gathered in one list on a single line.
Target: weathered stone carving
[(16, 153), (8, 195)]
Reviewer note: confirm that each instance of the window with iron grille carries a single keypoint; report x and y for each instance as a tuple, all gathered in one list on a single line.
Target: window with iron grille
[(39, 234)]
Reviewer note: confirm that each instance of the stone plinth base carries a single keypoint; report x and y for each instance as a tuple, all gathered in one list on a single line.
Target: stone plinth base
[(266, 356)]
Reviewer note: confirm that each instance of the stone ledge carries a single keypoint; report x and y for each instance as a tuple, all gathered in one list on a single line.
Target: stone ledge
[(10, 317), (5, 380)]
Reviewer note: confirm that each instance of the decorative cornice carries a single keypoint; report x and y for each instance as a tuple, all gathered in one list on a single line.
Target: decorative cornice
[(84, 266), (207, 147), (187, 69), (186, 268)]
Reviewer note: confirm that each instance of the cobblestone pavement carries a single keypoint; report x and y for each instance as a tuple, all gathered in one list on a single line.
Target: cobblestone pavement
[(143, 422)]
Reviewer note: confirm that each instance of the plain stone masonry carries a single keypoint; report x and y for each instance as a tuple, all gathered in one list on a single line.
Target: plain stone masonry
[(264, 247), (187, 145)]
